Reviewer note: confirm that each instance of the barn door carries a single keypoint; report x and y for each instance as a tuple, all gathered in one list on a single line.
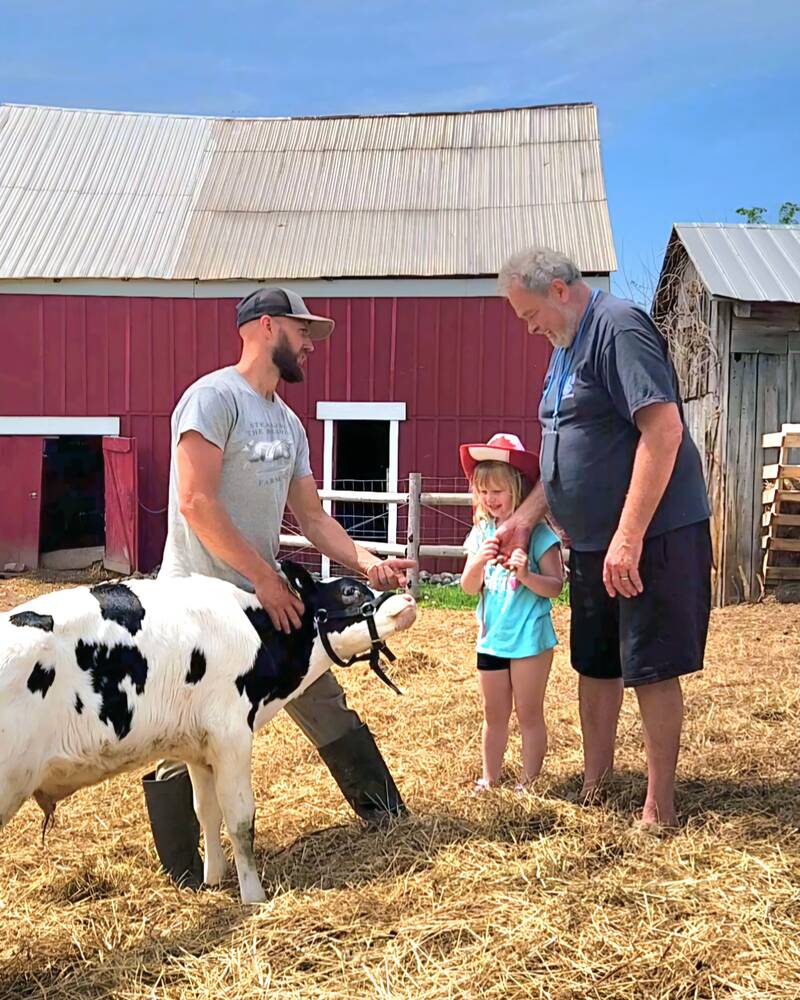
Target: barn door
[(122, 504), (20, 500)]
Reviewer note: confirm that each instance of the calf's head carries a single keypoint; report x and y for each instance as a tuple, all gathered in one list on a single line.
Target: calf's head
[(351, 622)]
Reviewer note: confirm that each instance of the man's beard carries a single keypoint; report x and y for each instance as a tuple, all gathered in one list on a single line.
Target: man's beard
[(286, 362)]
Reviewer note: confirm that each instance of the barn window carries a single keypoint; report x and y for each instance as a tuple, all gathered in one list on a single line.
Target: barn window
[(360, 452)]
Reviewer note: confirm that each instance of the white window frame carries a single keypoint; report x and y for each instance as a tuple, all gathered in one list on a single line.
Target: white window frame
[(49, 426), (329, 412)]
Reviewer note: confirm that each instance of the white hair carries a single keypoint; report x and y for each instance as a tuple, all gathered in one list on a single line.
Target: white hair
[(535, 269)]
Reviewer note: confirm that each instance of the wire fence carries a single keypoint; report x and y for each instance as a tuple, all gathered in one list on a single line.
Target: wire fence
[(369, 521)]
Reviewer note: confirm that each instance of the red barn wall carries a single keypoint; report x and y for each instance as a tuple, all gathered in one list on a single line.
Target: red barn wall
[(464, 367)]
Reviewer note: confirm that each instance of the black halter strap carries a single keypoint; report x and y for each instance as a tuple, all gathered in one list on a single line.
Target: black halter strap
[(363, 613)]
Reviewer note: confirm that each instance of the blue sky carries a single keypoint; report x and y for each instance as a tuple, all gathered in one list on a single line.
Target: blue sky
[(698, 101)]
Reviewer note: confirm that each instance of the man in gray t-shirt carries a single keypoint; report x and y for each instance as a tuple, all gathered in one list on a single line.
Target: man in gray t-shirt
[(239, 458), (264, 447)]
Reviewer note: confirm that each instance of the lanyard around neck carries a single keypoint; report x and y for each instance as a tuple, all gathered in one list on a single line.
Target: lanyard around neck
[(566, 359)]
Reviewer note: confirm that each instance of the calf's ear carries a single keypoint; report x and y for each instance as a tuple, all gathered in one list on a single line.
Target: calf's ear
[(300, 579)]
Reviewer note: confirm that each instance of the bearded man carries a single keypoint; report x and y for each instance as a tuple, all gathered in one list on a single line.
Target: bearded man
[(239, 458)]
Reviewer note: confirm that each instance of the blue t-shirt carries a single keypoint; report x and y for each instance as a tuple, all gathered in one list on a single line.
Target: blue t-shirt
[(620, 365), (513, 621)]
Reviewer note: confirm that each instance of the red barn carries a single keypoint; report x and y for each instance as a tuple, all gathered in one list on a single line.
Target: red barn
[(126, 239)]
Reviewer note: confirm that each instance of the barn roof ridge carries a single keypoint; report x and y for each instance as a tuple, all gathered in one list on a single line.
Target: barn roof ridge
[(117, 194), (444, 112)]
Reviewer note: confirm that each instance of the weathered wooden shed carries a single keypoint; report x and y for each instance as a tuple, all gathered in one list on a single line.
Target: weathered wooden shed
[(728, 301)]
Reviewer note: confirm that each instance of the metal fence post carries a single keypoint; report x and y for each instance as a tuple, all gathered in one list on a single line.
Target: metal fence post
[(414, 527)]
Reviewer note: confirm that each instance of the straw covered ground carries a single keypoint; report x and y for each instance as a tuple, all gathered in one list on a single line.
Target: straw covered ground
[(501, 896)]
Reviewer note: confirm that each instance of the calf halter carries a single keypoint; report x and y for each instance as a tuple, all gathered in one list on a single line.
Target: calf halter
[(363, 613)]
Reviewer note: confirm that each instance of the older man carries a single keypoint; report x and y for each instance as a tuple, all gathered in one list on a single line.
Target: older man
[(621, 475)]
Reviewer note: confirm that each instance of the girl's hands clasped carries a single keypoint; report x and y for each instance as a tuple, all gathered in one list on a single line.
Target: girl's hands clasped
[(488, 552), (518, 562)]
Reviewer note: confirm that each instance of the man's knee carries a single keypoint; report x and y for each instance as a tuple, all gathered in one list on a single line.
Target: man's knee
[(321, 712)]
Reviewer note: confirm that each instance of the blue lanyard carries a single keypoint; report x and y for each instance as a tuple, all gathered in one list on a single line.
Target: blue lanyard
[(565, 361)]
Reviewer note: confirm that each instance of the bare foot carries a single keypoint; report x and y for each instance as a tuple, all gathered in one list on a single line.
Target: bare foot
[(592, 792), (657, 815), (653, 816), (482, 785), (654, 829)]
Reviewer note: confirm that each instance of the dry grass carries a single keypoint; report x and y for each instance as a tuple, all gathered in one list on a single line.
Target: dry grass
[(495, 897)]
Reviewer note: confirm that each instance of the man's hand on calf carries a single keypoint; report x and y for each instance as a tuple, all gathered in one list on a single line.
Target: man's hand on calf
[(281, 604)]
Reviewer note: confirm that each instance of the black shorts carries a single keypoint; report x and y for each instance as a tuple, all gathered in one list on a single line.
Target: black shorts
[(653, 637), (488, 662)]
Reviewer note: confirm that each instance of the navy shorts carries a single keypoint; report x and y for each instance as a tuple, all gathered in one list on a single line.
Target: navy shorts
[(488, 662), (653, 637)]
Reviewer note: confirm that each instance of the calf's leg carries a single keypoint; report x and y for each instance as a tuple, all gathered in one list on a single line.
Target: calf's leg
[(12, 797), (233, 782), (209, 814)]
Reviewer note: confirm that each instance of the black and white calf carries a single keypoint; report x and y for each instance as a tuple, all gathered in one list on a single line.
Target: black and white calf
[(95, 681)]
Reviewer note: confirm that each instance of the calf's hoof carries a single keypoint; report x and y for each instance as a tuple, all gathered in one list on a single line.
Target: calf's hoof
[(252, 897)]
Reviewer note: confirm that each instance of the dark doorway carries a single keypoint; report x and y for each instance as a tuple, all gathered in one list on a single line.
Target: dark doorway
[(362, 463), (72, 495)]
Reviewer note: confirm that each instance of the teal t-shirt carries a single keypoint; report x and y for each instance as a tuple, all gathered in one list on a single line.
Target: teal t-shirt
[(513, 621)]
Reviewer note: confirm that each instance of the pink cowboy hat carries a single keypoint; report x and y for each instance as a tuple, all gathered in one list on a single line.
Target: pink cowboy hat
[(500, 448)]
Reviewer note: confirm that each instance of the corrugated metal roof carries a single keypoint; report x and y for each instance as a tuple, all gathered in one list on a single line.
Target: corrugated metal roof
[(753, 263), (92, 194)]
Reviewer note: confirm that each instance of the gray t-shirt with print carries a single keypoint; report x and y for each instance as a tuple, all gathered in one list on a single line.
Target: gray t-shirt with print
[(264, 446)]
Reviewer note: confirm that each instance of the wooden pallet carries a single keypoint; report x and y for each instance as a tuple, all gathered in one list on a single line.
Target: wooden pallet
[(781, 515)]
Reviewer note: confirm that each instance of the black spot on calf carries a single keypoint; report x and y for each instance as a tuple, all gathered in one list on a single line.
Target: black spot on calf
[(78, 704), (40, 679), (197, 667), (32, 619), (281, 662), (119, 604), (108, 668)]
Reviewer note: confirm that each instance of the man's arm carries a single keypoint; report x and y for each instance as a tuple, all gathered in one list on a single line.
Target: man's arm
[(661, 432), (329, 537), (199, 466), (515, 533)]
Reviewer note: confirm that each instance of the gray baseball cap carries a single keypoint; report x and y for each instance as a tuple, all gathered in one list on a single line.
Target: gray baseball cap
[(282, 302)]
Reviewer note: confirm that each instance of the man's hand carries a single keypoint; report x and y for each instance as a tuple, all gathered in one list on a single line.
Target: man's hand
[(280, 603), (388, 574), (621, 566), (515, 533)]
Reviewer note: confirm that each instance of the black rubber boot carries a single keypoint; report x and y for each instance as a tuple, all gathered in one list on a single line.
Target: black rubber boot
[(176, 831), (361, 773)]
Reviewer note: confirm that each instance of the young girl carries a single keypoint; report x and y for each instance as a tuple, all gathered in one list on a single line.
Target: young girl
[(516, 637)]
